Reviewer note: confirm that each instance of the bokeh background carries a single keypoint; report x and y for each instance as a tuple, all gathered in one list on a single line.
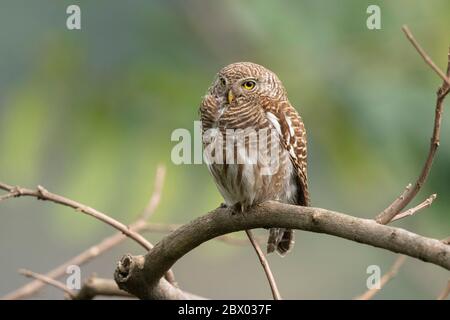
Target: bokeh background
[(89, 114)]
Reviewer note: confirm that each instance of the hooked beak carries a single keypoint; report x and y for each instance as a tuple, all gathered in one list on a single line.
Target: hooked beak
[(230, 96)]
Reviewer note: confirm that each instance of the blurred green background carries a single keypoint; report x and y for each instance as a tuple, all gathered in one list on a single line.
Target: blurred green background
[(89, 114)]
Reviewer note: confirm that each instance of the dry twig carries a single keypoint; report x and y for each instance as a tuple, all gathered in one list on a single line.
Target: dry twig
[(44, 279), (95, 250), (42, 194), (423, 205), (265, 264), (400, 203), (444, 294), (384, 279), (91, 288)]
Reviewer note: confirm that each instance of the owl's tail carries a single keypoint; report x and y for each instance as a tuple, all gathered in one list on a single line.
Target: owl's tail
[(281, 240)]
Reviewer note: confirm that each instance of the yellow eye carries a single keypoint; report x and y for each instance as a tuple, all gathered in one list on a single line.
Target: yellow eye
[(249, 85)]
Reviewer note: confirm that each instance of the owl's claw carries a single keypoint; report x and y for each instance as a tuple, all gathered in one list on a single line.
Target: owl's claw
[(236, 208)]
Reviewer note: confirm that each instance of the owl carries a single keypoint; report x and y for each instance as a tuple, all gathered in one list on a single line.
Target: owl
[(255, 143)]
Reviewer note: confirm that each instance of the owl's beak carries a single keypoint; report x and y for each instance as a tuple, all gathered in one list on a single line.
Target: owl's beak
[(230, 96)]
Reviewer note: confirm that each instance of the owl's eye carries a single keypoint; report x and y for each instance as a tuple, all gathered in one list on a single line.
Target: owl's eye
[(249, 85), (222, 82)]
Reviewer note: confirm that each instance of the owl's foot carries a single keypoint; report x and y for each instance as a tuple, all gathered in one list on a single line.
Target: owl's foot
[(233, 209), (236, 208)]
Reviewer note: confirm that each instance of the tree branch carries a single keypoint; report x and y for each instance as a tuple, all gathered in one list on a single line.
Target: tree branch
[(423, 205), (226, 238), (425, 56), (163, 291), (444, 294), (94, 287), (265, 264), (95, 250), (91, 288), (42, 194), (46, 280), (369, 294), (144, 282), (400, 203)]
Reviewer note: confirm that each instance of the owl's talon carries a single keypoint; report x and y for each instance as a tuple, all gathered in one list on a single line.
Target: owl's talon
[(235, 209)]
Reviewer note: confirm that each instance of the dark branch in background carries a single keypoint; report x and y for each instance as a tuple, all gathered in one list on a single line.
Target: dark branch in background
[(400, 203)]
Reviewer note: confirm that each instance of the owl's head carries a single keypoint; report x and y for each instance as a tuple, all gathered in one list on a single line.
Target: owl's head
[(243, 82)]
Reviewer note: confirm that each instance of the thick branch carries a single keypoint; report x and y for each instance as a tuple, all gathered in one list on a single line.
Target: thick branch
[(226, 238), (143, 281), (162, 291)]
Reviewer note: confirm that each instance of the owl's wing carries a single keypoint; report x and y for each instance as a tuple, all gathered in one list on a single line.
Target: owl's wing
[(207, 112), (293, 136)]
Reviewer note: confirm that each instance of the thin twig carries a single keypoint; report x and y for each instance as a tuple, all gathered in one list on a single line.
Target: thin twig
[(424, 55), (93, 251), (423, 205), (444, 294), (384, 279), (8, 196), (400, 203), (265, 264), (91, 288), (47, 280), (156, 195), (42, 194)]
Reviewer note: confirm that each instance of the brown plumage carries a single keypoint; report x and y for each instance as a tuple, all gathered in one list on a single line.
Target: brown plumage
[(244, 99)]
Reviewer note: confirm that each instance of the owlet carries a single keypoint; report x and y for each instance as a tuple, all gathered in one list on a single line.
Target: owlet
[(255, 143)]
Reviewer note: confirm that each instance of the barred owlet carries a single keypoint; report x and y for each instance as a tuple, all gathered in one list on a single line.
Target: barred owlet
[(250, 99)]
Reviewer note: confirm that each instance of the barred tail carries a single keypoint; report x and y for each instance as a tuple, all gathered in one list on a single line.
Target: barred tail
[(281, 240)]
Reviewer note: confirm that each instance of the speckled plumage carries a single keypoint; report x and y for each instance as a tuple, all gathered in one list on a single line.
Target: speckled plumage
[(265, 109)]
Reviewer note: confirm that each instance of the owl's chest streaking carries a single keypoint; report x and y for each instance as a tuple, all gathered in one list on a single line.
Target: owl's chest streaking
[(245, 156)]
